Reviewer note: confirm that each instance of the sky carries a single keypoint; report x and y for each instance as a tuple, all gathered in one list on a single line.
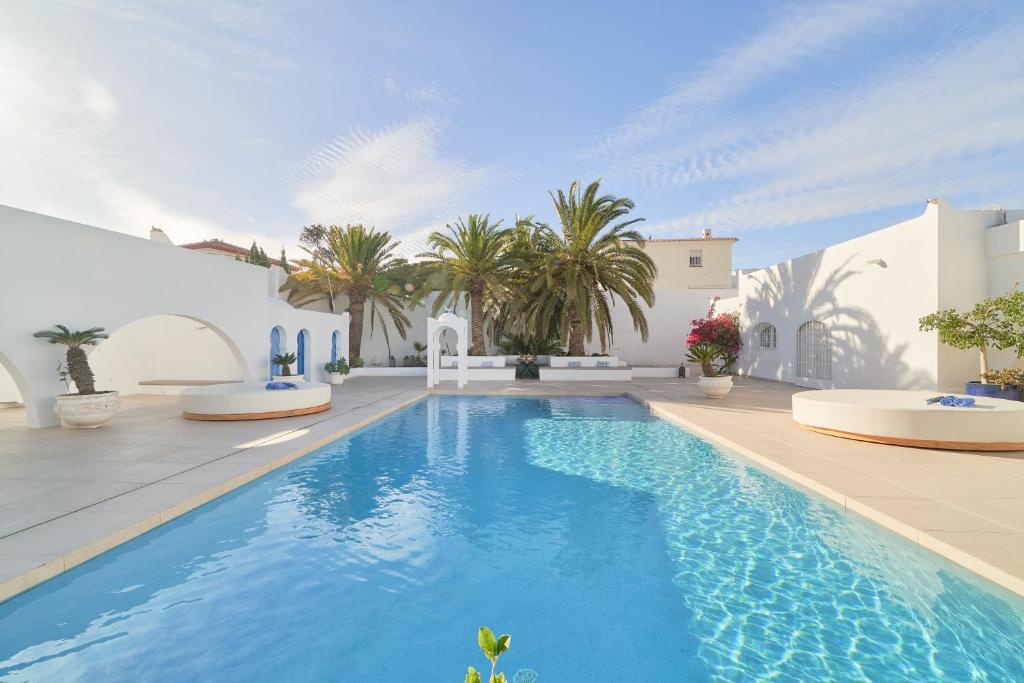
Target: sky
[(791, 125)]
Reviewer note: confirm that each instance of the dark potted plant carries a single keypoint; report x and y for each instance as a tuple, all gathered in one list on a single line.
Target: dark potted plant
[(88, 408), (996, 323), (285, 360)]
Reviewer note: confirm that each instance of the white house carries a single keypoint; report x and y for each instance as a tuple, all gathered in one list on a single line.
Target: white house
[(846, 316), (176, 316)]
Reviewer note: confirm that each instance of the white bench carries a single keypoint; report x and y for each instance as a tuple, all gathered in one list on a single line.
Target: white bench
[(904, 418), (253, 401)]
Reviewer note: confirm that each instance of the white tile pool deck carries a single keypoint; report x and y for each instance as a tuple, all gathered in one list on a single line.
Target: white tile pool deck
[(68, 495)]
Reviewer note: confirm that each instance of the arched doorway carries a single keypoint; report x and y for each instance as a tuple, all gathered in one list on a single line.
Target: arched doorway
[(161, 354), (813, 355), (302, 359), (436, 328)]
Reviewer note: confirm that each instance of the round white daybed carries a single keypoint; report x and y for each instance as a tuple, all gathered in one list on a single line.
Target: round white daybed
[(253, 401), (903, 418)]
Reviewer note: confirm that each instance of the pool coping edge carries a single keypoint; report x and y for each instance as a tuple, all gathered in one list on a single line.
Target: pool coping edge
[(958, 556), (29, 579)]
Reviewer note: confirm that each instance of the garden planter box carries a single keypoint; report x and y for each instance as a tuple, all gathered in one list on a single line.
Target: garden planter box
[(1010, 393)]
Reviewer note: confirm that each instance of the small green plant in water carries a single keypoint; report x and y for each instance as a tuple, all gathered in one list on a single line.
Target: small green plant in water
[(492, 648)]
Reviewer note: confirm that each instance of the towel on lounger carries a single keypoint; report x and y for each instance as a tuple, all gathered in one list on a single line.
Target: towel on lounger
[(272, 386), (952, 401)]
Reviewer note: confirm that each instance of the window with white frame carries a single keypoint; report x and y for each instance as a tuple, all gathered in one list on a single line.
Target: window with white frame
[(696, 258), (764, 336)]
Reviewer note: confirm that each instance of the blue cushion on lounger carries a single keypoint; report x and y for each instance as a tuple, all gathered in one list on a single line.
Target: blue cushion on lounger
[(575, 364), (273, 386)]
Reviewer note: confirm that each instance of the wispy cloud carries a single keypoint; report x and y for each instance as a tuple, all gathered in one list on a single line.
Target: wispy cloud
[(947, 125), (394, 178), (798, 33), (430, 94)]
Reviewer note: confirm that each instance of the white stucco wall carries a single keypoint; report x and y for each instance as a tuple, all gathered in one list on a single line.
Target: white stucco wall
[(84, 276), (937, 260)]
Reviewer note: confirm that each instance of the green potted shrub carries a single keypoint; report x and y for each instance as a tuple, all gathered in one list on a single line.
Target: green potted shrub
[(336, 370), (284, 360), (996, 323), (87, 408)]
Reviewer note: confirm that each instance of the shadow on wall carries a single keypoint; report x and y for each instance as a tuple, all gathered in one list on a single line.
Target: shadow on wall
[(792, 293)]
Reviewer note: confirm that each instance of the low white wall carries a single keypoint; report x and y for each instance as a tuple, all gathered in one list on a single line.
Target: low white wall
[(669, 322)]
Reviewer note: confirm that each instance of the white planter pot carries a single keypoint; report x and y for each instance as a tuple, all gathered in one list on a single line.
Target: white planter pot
[(335, 378), (715, 387), (87, 411)]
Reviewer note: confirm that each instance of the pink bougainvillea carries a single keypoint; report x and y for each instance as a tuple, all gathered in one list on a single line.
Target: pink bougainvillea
[(722, 329)]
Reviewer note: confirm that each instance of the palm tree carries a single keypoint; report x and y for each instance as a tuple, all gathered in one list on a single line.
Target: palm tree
[(78, 363), (471, 260), (357, 262), (581, 272)]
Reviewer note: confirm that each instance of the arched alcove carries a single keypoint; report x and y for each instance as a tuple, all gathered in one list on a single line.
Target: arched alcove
[(335, 342), (277, 346), (303, 360), (436, 328), (162, 353)]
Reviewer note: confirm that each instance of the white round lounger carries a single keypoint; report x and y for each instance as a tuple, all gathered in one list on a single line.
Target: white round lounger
[(903, 418), (253, 401)]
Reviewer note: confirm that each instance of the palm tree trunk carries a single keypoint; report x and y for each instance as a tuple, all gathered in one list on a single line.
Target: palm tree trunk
[(78, 368), (476, 304), (576, 335), (355, 328)]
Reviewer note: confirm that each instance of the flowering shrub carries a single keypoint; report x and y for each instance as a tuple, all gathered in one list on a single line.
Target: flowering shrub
[(718, 329)]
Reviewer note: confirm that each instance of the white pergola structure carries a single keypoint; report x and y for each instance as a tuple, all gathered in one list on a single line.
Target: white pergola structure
[(435, 328)]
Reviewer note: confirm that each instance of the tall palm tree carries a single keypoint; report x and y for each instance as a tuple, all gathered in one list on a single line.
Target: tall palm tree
[(359, 263), (471, 260), (78, 363), (596, 259)]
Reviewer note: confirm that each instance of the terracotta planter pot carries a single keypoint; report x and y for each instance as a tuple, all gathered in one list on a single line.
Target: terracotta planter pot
[(87, 411), (715, 387)]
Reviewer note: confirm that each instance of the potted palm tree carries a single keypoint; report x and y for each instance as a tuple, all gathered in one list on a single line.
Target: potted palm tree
[(285, 360), (88, 408), (336, 370), (711, 384)]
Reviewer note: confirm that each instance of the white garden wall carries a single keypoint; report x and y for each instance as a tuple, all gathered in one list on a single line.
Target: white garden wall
[(937, 260), (84, 276)]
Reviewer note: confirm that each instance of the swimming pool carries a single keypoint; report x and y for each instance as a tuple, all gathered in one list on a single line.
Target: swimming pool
[(611, 544)]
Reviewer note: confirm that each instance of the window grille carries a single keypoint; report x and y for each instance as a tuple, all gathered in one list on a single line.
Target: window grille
[(765, 336), (696, 258), (813, 351)]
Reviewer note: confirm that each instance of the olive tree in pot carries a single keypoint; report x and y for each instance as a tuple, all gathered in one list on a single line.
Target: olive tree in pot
[(88, 408), (336, 370), (996, 323), (285, 360)]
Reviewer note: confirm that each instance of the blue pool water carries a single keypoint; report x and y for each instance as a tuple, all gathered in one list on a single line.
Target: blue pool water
[(612, 545)]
